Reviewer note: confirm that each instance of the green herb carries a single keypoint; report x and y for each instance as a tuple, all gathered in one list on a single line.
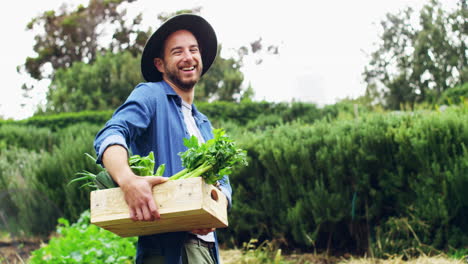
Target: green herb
[(82, 242), (141, 166), (211, 160)]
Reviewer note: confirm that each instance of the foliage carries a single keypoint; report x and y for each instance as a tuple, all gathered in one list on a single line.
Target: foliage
[(222, 82), (106, 83), (141, 166), (265, 253), (19, 136), (86, 76), (85, 243), (415, 64), (338, 177), (454, 95), (384, 183), (33, 179), (458, 254), (101, 85), (239, 113), (55, 122), (212, 160), (24, 210), (73, 36)]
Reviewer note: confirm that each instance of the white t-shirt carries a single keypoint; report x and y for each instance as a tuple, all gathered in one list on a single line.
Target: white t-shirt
[(194, 131)]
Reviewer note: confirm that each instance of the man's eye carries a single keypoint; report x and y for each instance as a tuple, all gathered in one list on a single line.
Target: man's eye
[(194, 50)]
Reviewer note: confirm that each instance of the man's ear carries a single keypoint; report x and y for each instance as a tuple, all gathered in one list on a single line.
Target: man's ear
[(158, 63)]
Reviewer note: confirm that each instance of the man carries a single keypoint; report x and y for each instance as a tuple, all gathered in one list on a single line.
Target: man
[(156, 117)]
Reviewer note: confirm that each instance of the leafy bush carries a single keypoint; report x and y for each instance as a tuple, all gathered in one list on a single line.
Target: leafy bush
[(30, 137), (395, 177), (55, 122), (25, 210), (57, 168), (344, 178), (85, 243), (34, 182), (455, 95), (265, 253), (239, 113)]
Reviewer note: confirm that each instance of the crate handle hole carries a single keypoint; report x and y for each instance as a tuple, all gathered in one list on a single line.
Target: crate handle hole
[(214, 195)]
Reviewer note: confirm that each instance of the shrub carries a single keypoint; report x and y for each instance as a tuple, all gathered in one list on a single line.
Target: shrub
[(455, 95), (85, 243), (340, 183)]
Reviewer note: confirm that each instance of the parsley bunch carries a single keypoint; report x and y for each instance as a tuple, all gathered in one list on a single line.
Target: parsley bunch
[(210, 160)]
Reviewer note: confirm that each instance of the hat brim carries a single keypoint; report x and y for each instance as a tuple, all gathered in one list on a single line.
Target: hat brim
[(199, 27)]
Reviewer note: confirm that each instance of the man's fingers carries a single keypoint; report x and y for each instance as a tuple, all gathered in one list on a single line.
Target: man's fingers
[(139, 214), (154, 209), (133, 214), (153, 180), (147, 216)]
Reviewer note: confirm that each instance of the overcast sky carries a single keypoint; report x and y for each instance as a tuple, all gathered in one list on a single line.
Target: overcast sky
[(323, 44)]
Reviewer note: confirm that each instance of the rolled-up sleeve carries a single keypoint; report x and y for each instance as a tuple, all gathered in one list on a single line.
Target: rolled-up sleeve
[(129, 121)]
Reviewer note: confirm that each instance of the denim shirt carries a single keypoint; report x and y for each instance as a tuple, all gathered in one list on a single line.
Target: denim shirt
[(151, 119)]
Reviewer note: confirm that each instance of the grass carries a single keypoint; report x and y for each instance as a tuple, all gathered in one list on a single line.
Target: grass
[(237, 256), (440, 259)]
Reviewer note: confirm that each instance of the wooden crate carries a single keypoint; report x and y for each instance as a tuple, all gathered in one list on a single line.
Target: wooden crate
[(184, 205)]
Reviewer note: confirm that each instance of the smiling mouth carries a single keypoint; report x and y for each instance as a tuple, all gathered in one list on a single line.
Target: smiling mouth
[(188, 68)]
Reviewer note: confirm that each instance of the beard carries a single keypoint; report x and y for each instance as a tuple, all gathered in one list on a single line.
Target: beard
[(172, 74)]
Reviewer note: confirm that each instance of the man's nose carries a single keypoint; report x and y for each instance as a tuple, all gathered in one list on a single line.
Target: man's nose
[(187, 55)]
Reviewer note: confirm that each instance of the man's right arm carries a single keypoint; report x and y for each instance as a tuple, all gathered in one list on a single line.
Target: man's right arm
[(111, 144), (137, 189)]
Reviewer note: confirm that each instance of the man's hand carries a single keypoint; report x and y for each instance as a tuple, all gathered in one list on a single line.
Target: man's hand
[(137, 189), (203, 231), (139, 196)]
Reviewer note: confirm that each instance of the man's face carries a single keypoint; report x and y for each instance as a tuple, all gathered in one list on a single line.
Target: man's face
[(182, 64)]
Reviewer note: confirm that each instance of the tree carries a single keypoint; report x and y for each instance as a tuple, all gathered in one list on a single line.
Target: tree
[(101, 85), (417, 64), (98, 78), (223, 82), (73, 36)]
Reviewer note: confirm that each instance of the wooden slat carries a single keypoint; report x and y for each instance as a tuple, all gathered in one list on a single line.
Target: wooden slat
[(184, 205)]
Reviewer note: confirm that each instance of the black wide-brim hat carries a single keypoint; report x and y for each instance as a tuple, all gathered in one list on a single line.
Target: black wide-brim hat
[(199, 27)]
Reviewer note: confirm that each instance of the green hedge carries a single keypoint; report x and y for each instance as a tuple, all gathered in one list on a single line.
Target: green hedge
[(56, 122), (390, 182), (394, 183), (218, 112), (455, 95), (34, 183)]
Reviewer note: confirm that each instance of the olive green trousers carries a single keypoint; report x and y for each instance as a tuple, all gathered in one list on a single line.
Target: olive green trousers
[(191, 254)]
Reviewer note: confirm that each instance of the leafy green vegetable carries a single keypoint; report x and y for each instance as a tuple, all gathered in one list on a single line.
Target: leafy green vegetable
[(211, 160), (84, 243), (141, 166)]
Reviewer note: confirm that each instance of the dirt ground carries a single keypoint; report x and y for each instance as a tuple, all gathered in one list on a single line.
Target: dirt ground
[(234, 256), (18, 252)]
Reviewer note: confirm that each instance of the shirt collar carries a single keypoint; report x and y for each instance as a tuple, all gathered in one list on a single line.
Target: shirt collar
[(168, 89), (170, 92)]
